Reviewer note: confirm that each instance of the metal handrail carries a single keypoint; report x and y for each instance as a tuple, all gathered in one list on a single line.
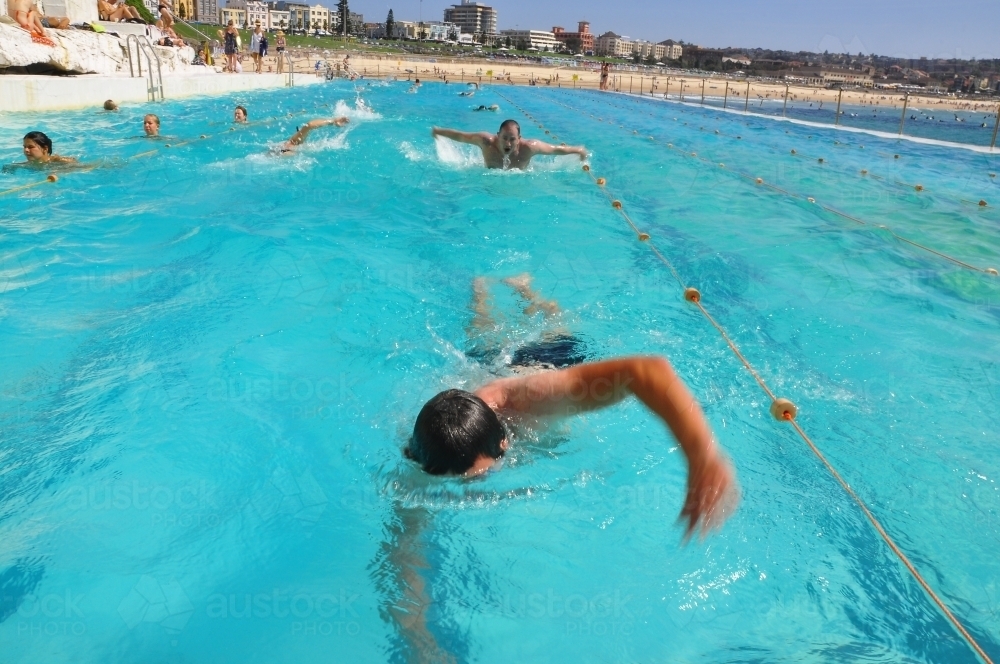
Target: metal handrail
[(145, 47), (291, 69)]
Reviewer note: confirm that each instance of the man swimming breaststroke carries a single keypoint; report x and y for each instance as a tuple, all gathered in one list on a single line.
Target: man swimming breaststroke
[(300, 136), (506, 149), (463, 433)]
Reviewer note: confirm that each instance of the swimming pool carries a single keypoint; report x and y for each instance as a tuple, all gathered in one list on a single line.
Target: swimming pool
[(212, 358)]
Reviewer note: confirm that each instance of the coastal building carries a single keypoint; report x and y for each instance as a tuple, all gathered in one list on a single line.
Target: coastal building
[(645, 49), (235, 14), (206, 11), (671, 50), (739, 59), (581, 41), (472, 17), (828, 76), (613, 45), (540, 39), (318, 18), (278, 19), (253, 11)]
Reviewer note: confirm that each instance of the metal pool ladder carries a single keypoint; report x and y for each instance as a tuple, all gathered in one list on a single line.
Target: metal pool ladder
[(144, 47), (290, 76)]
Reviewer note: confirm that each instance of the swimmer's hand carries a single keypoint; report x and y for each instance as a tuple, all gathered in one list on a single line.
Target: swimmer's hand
[(712, 494)]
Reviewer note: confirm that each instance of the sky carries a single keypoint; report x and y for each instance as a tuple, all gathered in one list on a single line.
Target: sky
[(900, 28)]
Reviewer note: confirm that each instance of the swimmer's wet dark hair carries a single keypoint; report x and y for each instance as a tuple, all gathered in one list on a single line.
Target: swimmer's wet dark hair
[(246, 116), (452, 430), (40, 139), (510, 123)]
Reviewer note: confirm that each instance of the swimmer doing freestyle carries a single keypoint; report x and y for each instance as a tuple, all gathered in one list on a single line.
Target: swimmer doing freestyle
[(506, 149), (299, 137), (466, 433)]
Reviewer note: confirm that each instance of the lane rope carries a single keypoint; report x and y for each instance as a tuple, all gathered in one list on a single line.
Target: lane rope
[(785, 410)]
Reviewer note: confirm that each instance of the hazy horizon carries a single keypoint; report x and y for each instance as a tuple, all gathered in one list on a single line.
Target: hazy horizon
[(910, 30)]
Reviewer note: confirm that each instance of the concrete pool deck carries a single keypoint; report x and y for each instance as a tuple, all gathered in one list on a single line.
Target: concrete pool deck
[(21, 93)]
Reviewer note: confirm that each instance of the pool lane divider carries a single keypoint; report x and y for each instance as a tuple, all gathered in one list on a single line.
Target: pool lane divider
[(828, 208), (782, 409), (819, 160), (54, 178)]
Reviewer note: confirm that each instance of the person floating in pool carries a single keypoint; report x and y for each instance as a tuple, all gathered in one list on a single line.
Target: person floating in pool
[(469, 93), (38, 151), (506, 149), (463, 433), (240, 115), (151, 125), (300, 136), (492, 107)]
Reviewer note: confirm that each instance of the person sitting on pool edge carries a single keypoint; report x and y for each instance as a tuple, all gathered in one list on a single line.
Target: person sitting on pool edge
[(461, 433), (240, 115), (300, 136), (506, 148)]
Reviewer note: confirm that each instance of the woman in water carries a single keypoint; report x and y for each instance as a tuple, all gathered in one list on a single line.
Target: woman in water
[(38, 151)]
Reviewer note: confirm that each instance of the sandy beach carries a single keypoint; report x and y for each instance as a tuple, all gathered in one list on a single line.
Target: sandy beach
[(573, 75)]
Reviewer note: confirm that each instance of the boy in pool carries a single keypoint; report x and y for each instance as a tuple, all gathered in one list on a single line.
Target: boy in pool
[(461, 433), (506, 148), (300, 136)]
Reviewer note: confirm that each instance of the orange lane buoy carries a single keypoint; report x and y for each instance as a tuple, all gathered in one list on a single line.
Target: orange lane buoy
[(53, 178), (643, 237), (783, 409), (760, 180), (600, 182), (616, 205), (692, 295), (919, 187), (982, 203)]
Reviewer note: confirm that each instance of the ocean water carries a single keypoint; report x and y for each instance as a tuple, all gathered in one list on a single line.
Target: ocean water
[(212, 357)]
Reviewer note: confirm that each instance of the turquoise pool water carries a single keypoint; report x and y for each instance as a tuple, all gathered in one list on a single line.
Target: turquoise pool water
[(212, 358)]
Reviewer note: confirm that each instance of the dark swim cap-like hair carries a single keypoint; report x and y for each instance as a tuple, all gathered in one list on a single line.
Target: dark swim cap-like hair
[(246, 116), (40, 139), (510, 123), (452, 430)]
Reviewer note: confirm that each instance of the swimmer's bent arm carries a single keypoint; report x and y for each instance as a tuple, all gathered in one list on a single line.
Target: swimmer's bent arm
[(479, 138), (711, 493), (540, 147)]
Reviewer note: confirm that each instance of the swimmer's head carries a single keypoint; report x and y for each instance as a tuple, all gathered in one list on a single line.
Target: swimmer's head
[(151, 125), (455, 433), (240, 114), (510, 136), (37, 146), (110, 105)]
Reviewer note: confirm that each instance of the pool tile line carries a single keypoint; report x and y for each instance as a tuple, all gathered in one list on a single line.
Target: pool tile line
[(828, 208), (783, 409)]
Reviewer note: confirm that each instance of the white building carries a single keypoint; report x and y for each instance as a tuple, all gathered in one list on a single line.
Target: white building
[(472, 17), (439, 31), (279, 19), (253, 11), (206, 11), (613, 45), (540, 39), (671, 49)]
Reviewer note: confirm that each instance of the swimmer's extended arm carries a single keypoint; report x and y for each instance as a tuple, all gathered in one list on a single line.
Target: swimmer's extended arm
[(300, 136), (479, 138), (711, 490), (539, 147)]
